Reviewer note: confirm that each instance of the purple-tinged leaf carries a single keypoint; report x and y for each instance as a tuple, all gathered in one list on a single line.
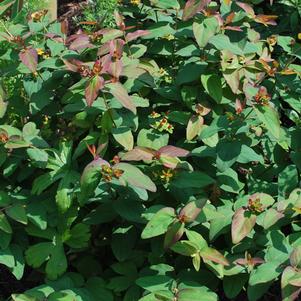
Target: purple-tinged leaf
[(174, 233), (135, 177), (191, 211), (95, 165), (29, 57), (272, 216), (242, 224), (289, 291), (139, 154), (94, 85), (136, 34), (120, 93), (295, 257), (233, 28), (73, 64), (116, 48), (194, 127), (115, 69), (252, 261), (192, 7), (169, 162), (80, 42), (211, 254), (247, 8), (119, 20), (173, 151), (296, 280)]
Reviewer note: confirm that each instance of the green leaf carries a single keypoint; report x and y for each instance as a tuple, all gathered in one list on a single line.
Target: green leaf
[(228, 181), (133, 176), (4, 224), (222, 42), (5, 5), (39, 156), (211, 254), (79, 236), (227, 154), (18, 213), (57, 264), (270, 118), (154, 283), (159, 223), (195, 179), (166, 3), (233, 285), (23, 297), (7, 258), (197, 294), (185, 248), (124, 136), (204, 31), (213, 86), (264, 273), (36, 255)]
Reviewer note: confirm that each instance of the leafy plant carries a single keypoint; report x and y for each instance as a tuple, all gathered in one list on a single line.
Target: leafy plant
[(157, 160)]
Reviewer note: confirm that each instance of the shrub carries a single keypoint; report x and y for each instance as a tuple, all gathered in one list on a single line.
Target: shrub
[(158, 160)]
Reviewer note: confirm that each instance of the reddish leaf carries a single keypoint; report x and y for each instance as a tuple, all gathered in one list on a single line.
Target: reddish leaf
[(233, 28), (173, 151), (73, 64), (119, 20), (296, 280), (64, 26), (169, 162), (79, 42), (295, 257), (266, 19), (136, 34), (29, 57), (191, 211), (192, 7), (242, 224), (247, 8), (289, 292), (211, 254), (138, 154), (92, 89), (115, 69), (252, 261), (120, 93), (116, 48), (174, 233)]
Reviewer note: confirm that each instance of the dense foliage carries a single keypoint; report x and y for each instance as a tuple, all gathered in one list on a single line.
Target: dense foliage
[(155, 161)]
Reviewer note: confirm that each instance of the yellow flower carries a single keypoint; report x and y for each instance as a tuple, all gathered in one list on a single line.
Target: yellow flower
[(169, 37), (299, 36), (40, 51), (167, 175), (135, 2), (163, 72)]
